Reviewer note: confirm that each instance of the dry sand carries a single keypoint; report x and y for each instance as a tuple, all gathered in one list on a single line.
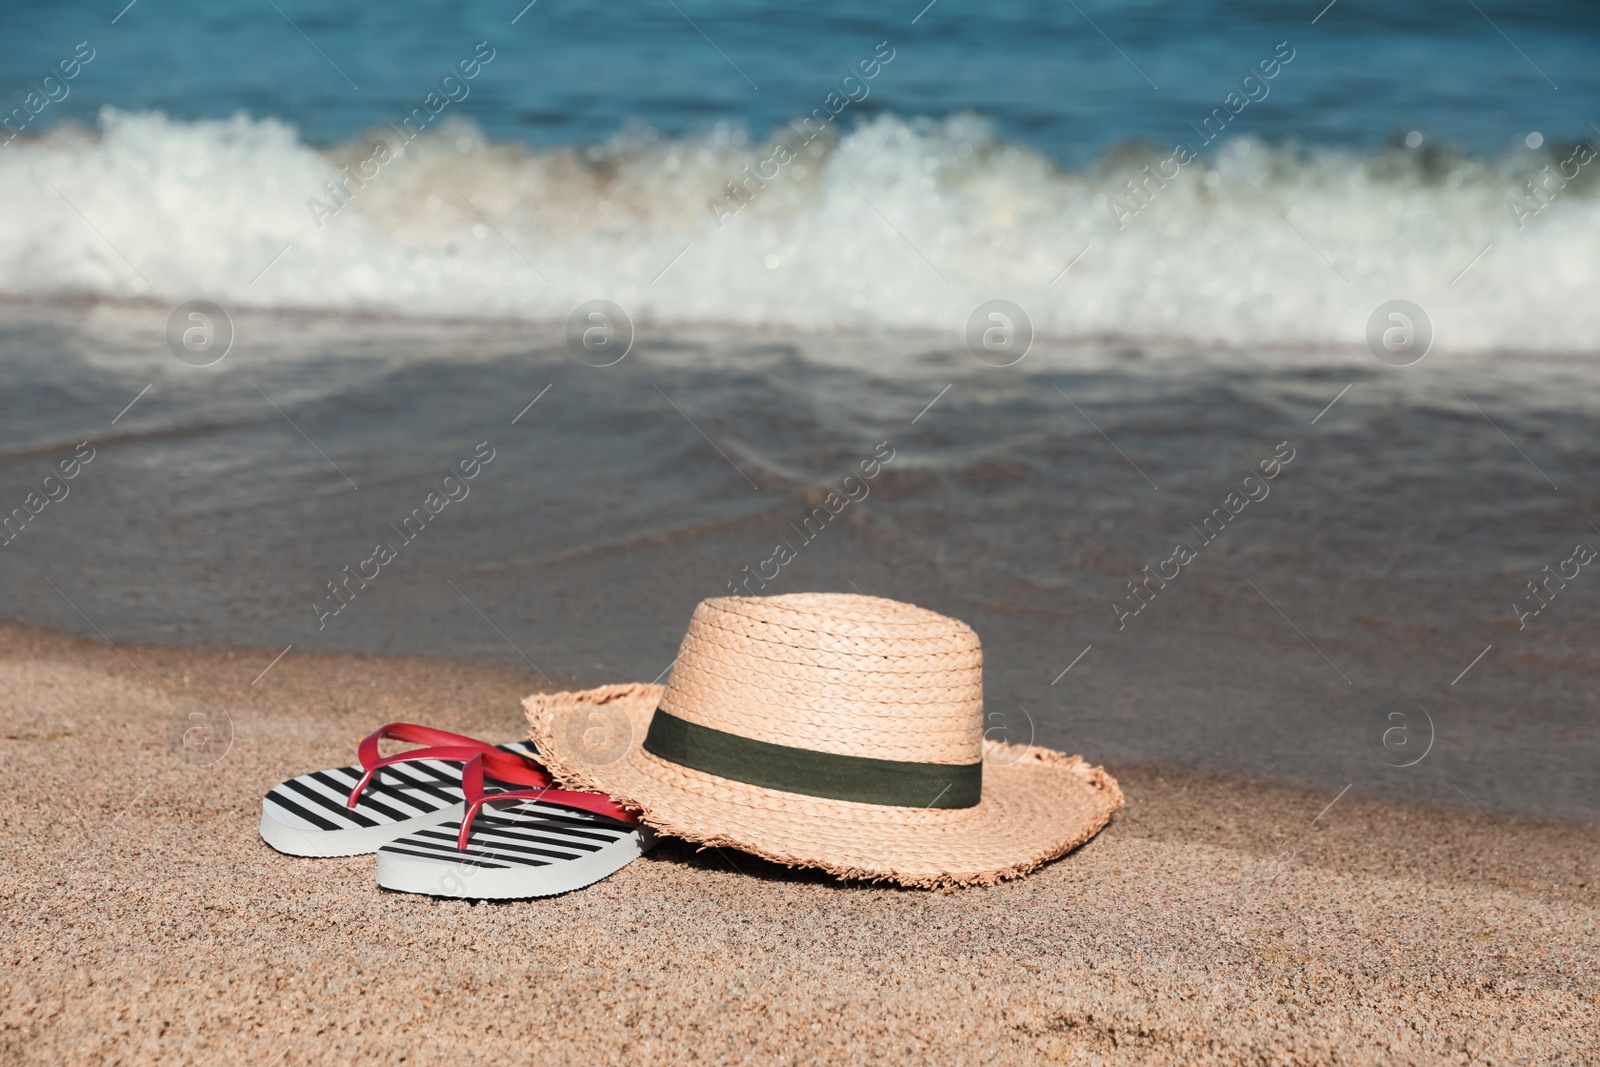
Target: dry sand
[(1212, 922)]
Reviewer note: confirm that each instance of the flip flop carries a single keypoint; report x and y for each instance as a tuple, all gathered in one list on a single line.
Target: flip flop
[(515, 843), (350, 811)]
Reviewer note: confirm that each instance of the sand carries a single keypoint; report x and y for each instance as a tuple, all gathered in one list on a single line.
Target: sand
[(1214, 921)]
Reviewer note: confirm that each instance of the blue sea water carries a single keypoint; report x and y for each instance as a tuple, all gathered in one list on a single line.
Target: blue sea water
[(1070, 80)]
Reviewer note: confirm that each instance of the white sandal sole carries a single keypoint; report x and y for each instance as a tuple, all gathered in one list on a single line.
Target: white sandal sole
[(517, 849)]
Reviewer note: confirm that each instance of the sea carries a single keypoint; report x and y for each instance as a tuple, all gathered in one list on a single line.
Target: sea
[(663, 277)]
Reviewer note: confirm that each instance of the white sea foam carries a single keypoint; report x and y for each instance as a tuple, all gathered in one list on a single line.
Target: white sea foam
[(900, 225)]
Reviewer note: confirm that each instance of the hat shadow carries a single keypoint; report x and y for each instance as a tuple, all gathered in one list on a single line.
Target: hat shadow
[(684, 853)]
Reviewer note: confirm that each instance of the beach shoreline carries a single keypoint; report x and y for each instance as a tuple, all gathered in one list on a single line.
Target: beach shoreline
[(151, 924), (1219, 379), (1390, 557)]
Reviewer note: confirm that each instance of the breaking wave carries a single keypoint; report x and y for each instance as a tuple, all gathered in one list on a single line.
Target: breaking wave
[(899, 224)]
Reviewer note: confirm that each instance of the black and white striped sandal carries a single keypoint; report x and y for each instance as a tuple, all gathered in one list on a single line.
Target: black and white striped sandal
[(515, 843), (350, 811)]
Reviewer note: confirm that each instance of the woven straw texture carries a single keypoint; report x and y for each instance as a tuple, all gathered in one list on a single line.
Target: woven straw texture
[(854, 675)]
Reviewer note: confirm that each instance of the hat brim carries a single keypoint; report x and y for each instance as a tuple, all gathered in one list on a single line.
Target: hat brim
[(1037, 804)]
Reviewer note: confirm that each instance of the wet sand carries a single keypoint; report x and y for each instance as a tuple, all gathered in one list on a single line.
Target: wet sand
[(1214, 921)]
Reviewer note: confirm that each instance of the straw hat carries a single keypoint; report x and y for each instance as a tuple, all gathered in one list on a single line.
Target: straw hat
[(828, 730)]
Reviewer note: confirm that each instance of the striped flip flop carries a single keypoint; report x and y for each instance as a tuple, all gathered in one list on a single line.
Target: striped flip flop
[(350, 811), (514, 843)]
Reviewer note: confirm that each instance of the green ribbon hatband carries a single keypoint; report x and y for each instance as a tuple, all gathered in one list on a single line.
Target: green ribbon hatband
[(815, 774)]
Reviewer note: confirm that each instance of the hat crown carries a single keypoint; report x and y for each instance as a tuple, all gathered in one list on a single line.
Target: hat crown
[(833, 672)]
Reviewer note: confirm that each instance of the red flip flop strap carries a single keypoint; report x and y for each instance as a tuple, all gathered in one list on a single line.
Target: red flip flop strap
[(413, 734), (441, 744), (504, 767), (472, 787), (598, 803), (595, 802), (449, 754)]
